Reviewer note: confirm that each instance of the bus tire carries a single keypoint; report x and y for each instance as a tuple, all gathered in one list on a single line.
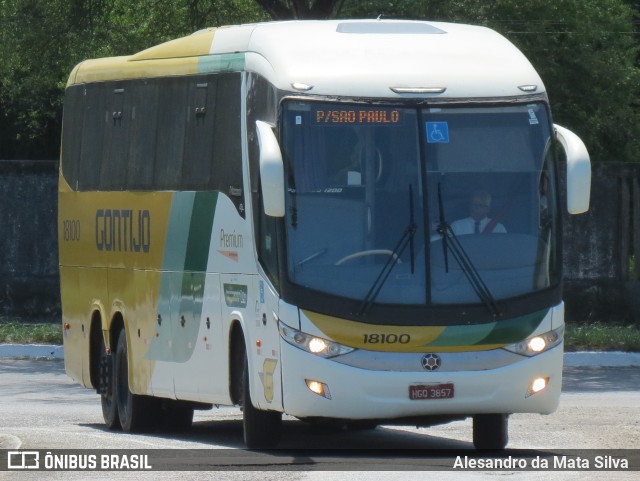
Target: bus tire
[(261, 429), (136, 412), (490, 431), (107, 388)]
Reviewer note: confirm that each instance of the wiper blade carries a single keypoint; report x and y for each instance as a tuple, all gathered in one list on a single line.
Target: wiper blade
[(405, 239), (313, 256), (412, 224), (471, 272), (450, 242), (442, 229)]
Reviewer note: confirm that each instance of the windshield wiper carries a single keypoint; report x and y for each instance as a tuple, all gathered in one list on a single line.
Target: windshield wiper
[(450, 242), (442, 230), (405, 239), (313, 256)]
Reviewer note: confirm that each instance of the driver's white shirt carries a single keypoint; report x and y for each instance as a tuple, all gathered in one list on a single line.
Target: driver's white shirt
[(467, 226)]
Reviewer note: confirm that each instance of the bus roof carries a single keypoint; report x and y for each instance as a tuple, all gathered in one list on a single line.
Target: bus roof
[(351, 58)]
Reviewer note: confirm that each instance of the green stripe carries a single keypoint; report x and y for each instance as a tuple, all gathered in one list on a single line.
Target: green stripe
[(194, 277), (204, 208), (515, 330), (184, 265), (233, 62), (177, 231), (504, 332)]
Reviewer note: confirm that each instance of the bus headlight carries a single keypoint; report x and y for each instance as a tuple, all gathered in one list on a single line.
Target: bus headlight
[(538, 344), (313, 344)]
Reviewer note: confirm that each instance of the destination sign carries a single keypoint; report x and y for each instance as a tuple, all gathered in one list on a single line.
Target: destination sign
[(367, 116)]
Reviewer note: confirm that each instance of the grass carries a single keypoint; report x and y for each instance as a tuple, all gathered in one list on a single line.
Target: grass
[(594, 336), (18, 332), (598, 336)]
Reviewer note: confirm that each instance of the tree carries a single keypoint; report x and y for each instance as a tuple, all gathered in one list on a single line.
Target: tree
[(586, 52), (41, 41), (300, 9), (34, 57)]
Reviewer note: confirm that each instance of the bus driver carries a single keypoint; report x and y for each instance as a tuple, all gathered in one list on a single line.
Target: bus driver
[(478, 221)]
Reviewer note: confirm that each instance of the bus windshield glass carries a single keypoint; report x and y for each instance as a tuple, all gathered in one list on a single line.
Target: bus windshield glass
[(409, 206)]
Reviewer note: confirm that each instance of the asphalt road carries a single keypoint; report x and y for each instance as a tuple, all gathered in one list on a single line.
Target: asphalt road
[(41, 408)]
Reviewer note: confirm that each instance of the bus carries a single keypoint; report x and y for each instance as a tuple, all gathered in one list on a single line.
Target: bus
[(272, 216)]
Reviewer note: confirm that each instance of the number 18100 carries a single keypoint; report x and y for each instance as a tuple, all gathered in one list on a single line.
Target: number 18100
[(71, 230), (387, 338)]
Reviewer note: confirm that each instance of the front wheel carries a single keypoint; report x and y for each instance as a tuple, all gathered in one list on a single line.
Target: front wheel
[(261, 429), (490, 431)]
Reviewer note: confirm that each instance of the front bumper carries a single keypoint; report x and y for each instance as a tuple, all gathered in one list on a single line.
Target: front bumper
[(358, 393)]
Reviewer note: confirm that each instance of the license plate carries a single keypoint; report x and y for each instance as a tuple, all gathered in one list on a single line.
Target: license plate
[(431, 391)]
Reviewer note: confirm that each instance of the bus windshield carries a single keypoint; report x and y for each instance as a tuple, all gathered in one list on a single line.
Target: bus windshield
[(415, 206)]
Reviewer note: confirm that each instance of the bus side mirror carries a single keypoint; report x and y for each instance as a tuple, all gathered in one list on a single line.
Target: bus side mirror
[(578, 171), (271, 171)]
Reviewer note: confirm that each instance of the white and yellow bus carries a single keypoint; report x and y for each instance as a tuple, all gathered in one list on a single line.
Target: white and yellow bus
[(273, 216)]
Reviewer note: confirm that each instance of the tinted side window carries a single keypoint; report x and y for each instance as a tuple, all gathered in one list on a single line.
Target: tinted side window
[(177, 133), (144, 133), (227, 151), (72, 133), (94, 115), (200, 127), (172, 119), (117, 125)]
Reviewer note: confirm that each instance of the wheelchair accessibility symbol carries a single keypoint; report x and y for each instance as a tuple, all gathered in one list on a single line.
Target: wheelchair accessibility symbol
[(437, 132)]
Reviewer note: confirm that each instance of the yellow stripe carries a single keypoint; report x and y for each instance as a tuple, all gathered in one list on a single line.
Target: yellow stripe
[(81, 208), (362, 336), (387, 338), (189, 46), (118, 68), (176, 57)]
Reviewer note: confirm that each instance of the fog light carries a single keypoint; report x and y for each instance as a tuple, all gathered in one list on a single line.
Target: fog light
[(537, 385), (319, 388)]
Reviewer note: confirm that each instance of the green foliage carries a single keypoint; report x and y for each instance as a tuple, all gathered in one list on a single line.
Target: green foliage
[(299, 9), (598, 336), (585, 50), (17, 332), (41, 42)]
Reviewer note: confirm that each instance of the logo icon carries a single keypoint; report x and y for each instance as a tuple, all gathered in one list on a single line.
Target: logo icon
[(437, 132), (431, 362), (23, 460)]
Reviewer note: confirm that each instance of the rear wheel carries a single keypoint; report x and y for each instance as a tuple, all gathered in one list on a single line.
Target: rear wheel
[(136, 412), (261, 429), (490, 431), (107, 388)]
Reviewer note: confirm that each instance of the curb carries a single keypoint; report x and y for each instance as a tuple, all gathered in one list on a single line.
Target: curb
[(571, 359), (31, 351), (602, 359)]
